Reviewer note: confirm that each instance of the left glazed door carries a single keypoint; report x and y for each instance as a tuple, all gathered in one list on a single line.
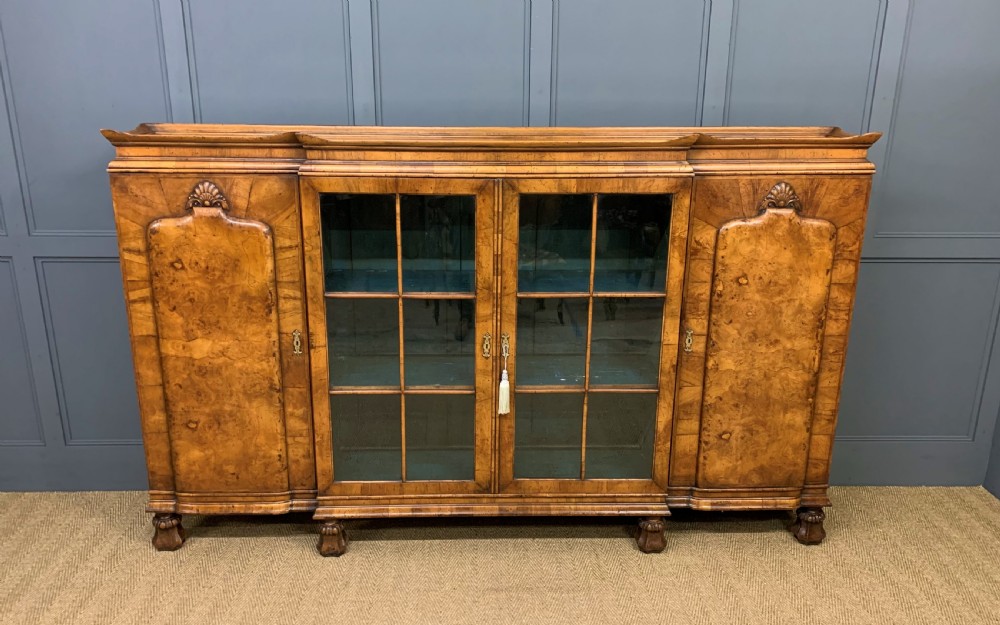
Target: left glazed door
[(400, 275), (215, 293)]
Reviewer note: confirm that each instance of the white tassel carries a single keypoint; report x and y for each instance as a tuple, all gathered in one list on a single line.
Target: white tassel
[(504, 402)]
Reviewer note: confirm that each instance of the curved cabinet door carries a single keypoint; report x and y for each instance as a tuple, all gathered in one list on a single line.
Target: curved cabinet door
[(771, 273), (213, 276)]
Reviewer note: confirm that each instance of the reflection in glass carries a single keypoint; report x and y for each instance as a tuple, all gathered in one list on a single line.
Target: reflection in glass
[(551, 340), (547, 435), (359, 242), (366, 437), (620, 433), (625, 348), (439, 339), (440, 437), (631, 248), (363, 342), (554, 243), (438, 242)]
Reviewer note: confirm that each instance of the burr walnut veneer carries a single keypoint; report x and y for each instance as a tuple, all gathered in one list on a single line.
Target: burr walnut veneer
[(384, 322)]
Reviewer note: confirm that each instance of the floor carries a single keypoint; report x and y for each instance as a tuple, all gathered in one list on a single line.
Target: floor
[(892, 555)]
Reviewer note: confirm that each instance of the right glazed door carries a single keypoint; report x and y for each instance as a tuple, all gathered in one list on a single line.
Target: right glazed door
[(590, 284)]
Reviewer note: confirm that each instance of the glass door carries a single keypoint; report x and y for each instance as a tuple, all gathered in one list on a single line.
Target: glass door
[(402, 319), (591, 277)]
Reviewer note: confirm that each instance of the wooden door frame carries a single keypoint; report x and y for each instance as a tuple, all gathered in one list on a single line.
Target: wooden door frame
[(486, 193), (680, 187)]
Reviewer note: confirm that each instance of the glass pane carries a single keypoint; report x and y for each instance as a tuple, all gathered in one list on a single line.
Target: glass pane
[(359, 242), (438, 242), (440, 437), (551, 340), (625, 348), (439, 339), (554, 245), (363, 341), (366, 437), (547, 435), (620, 432), (632, 236)]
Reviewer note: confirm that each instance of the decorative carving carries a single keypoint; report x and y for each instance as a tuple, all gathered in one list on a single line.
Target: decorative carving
[(205, 194), (808, 526), (781, 195), (332, 539), (169, 534), (651, 537)]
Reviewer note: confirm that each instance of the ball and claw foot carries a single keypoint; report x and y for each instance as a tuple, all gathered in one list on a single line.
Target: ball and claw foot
[(169, 534), (332, 539), (808, 526), (651, 537)]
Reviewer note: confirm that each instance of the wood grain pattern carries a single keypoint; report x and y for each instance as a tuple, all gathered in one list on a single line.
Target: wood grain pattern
[(746, 409), (215, 301), (767, 312)]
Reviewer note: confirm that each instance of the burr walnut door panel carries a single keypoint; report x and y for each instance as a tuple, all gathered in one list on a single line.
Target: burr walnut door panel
[(213, 277), (771, 275), (591, 287)]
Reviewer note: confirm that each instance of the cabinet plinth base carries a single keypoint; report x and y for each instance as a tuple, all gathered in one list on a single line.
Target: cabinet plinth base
[(169, 534), (332, 539), (651, 538), (808, 526)]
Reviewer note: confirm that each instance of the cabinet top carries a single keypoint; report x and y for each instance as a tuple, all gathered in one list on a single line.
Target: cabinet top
[(490, 152), (489, 138)]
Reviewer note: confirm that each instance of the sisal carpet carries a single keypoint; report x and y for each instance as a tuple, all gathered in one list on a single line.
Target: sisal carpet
[(892, 555)]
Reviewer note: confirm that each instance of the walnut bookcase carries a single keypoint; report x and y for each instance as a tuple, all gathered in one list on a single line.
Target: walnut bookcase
[(321, 318)]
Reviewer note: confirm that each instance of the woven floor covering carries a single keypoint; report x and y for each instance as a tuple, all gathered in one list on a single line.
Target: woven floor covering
[(892, 555)]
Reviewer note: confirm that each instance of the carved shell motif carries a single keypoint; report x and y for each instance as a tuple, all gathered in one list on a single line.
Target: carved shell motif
[(781, 195), (206, 194)]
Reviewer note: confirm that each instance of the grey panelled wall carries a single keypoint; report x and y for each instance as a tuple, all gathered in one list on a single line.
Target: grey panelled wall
[(922, 388)]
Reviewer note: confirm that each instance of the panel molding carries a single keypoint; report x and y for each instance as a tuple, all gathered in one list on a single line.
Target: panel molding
[(699, 108), (33, 389), (873, 65), (27, 203), (68, 439), (376, 34), (985, 361), (345, 17), (890, 139)]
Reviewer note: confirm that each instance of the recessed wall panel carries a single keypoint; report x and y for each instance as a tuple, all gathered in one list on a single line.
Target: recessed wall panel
[(271, 62), (89, 347), (74, 68)]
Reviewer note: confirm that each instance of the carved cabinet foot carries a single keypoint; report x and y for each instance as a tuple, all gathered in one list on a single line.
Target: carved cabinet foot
[(332, 539), (169, 534), (651, 537), (808, 526)]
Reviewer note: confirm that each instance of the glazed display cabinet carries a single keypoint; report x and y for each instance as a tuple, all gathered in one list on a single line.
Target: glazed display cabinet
[(392, 322)]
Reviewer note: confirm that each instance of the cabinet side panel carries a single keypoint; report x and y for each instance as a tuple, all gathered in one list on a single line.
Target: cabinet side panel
[(215, 300), (136, 199), (767, 311)]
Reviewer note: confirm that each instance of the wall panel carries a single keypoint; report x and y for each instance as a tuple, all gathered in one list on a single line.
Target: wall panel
[(631, 63), (20, 422), (89, 346), (73, 68), (804, 62), (450, 62), (274, 63), (922, 388)]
